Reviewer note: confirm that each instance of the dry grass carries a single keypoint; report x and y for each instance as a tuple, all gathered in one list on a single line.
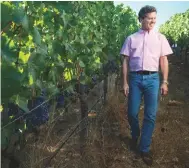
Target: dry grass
[(37, 151)]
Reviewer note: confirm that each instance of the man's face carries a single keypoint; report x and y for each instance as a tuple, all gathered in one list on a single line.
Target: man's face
[(149, 21)]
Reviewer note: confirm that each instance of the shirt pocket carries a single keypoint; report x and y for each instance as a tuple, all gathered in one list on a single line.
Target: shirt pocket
[(154, 47), (136, 48)]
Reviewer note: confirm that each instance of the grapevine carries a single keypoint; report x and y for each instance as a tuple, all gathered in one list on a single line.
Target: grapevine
[(177, 31), (51, 45)]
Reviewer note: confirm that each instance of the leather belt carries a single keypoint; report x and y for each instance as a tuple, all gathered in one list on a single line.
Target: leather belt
[(144, 72)]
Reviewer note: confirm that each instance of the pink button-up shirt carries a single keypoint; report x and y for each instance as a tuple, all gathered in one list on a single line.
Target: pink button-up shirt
[(144, 50)]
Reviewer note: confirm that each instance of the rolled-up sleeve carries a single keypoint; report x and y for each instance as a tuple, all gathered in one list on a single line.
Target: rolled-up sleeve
[(125, 50), (165, 47)]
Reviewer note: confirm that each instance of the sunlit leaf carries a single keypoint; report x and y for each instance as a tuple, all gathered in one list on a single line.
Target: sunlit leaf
[(23, 56)]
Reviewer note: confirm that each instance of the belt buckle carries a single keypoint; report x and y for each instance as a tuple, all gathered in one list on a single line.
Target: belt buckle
[(147, 72)]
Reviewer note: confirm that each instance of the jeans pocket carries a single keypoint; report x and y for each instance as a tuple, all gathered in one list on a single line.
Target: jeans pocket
[(155, 76), (133, 76)]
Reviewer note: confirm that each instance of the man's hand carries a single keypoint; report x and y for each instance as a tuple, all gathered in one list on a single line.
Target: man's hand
[(164, 89), (126, 89)]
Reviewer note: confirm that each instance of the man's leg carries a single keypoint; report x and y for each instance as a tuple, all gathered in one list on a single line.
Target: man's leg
[(134, 100), (151, 90)]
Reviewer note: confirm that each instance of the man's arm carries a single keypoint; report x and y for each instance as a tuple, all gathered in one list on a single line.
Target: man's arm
[(125, 69), (125, 53), (164, 65)]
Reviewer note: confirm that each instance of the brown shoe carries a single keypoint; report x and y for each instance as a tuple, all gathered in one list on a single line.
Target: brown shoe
[(147, 158)]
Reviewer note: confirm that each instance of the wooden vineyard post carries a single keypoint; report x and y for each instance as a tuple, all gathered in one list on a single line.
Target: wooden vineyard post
[(105, 73), (83, 108), (52, 111), (105, 88), (186, 56), (109, 82), (4, 115), (84, 111)]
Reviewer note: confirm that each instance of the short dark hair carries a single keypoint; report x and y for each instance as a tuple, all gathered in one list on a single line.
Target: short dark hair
[(144, 10)]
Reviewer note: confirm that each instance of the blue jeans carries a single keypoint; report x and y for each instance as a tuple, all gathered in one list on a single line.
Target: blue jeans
[(147, 86)]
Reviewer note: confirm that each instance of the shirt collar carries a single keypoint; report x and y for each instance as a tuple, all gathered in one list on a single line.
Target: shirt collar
[(145, 31)]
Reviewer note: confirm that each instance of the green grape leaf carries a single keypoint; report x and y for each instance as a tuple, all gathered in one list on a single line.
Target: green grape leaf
[(38, 83), (6, 135), (63, 16), (81, 64), (52, 89), (97, 49), (18, 15), (22, 103), (53, 75), (36, 36), (25, 23)]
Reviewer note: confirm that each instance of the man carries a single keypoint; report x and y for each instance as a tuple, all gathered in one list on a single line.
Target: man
[(143, 52)]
